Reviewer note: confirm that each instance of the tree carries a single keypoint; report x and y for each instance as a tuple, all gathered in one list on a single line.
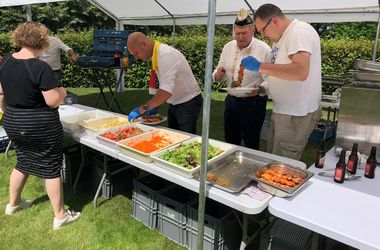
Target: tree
[(59, 17)]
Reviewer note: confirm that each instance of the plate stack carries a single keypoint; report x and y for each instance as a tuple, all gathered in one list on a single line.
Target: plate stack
[(366, 74)]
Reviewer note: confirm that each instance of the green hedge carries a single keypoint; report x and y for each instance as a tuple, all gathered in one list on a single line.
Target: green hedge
[(338, 57)]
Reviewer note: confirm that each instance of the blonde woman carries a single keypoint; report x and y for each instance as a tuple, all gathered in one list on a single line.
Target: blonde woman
[(30, 96)]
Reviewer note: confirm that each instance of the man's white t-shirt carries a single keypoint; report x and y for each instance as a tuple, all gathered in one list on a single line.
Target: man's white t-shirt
[(175, 75), (297, 98)]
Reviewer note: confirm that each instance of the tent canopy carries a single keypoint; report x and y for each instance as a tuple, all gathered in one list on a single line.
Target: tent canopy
[(149, 12), (8, 3)]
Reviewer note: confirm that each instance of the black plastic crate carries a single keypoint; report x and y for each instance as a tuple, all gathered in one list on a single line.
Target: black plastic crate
[(113, 184), (96, 61), (172, 213), (144, 198), (4, 141), (221, 228), (323, 131), (110, 40), (146, 189), (283, 235), (71, 161), (144, 213)]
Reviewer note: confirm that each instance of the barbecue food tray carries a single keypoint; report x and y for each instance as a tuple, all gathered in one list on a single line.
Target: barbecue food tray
[(184, 156), (112, 136), (277, 184), (168, 138)]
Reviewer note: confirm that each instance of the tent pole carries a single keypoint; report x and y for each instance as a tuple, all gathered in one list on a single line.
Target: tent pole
[(28, 8), (249, 6), (121, 86), (170, 14), (377, 38), (206, 120)]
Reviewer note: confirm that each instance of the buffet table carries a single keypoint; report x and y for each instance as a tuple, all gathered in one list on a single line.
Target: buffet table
[(348, 212), (238, 201)]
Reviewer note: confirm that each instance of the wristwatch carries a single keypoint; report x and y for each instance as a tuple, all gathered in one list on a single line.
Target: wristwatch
[(145, 107), (261, 90)]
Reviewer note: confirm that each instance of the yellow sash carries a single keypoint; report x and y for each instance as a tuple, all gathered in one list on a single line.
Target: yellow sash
[(155, 55)]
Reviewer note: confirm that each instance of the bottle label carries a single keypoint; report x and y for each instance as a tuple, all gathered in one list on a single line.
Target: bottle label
[(339, 174), (350, 165), (125, 61), (367, 169), (321, 162)]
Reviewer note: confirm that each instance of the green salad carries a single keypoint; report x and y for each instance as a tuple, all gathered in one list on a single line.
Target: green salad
[(189, 155)]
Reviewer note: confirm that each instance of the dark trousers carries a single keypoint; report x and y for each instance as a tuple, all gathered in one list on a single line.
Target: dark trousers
[(243, 119), (184, 116), (57, 75)]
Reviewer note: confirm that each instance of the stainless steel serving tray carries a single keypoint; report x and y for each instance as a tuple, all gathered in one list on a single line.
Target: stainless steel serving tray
[(366, 76), (367, 65), (232, 172), (285, 169), (367, 84)]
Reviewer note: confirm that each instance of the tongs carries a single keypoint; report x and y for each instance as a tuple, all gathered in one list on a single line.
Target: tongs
[(346, 177)]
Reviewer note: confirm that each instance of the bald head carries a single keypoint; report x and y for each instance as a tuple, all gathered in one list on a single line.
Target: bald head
[(140, 46)]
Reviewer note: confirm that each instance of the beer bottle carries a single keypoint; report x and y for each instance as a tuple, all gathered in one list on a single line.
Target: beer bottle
[(352, 163), (369, 170), (320, 157), (340, 170), (125, 61), (116, 55)]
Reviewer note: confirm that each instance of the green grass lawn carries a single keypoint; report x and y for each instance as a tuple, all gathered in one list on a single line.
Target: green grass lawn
[(110, 226)]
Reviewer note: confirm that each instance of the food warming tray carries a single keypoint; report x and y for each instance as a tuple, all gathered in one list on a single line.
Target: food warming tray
[(285, 169), (226, 147), (232, 172), (97, 125), (71, 122), (127, 144), (113, 144)]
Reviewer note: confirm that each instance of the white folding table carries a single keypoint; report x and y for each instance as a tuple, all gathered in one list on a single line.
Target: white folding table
[(238, 201), (348, 212)]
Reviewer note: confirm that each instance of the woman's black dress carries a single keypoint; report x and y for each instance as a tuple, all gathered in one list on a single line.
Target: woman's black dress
[(34, 128)]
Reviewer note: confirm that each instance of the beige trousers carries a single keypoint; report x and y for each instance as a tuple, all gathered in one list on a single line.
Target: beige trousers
[(288, 135)]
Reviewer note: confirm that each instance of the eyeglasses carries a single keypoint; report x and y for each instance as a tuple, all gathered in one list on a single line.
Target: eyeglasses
[(265, 26)]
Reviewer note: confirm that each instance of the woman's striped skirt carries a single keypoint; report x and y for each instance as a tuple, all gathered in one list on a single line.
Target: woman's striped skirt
[(37, 136)]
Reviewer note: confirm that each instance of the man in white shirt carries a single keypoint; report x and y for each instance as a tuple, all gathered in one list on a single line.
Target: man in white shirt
[(243, 114), (294, 81), (52, 55), (177, 84)]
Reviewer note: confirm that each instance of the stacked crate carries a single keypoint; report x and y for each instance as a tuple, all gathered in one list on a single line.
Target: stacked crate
[(172, 213), (221, 228), (283, 235), (114, 183), (144, 198), (4, 140), (105, 43)]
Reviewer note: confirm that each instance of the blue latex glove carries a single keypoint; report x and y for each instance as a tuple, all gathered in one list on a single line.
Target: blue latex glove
[(151, 112), (134, 114), (251, 63)]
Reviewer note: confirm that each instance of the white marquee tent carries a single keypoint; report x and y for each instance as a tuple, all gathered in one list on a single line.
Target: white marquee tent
[(149, 12), (182, 12), (152, 12)]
